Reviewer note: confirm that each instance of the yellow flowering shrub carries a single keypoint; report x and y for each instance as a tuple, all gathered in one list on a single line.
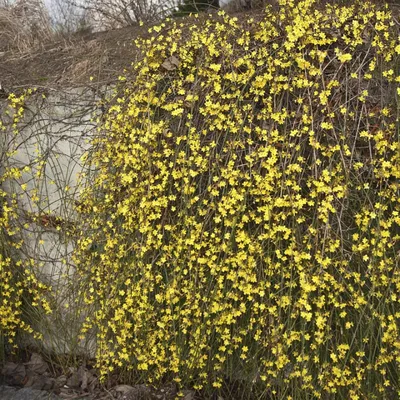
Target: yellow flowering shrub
[(244, 220), (20, 289)]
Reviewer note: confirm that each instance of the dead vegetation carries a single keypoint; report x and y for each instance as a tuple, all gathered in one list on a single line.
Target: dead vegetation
[(24, 25), (70, 62)]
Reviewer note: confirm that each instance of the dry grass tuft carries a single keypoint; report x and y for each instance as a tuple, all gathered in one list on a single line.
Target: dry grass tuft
[(24, 26)]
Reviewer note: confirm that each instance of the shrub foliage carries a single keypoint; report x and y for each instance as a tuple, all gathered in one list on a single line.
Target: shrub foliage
[(22, 293), (244, 221)]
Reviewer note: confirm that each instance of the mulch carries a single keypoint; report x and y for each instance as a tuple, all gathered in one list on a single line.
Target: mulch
[(36, 378)]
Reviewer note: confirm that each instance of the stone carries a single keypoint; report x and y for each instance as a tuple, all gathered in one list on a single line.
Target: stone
[(12, 393), (14, 374)]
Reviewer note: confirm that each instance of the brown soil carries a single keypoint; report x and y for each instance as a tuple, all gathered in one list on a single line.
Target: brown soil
[(70, 62)]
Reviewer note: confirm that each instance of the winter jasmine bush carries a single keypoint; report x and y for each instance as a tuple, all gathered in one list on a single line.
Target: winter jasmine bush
[(20, 288), (244, 221)]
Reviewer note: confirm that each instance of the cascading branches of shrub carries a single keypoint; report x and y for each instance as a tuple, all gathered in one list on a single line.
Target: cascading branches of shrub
[(244, 222), (20, 288)]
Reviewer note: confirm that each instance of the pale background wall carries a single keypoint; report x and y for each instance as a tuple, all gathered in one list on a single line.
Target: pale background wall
[(58, 128)]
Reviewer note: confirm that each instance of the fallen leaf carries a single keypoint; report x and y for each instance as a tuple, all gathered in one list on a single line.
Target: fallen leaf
[(36, 364), (15, 373), (171, 63), (42, 383), (123, 388), (74, 381), (83, 379), (188, 395), (60, 381)]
